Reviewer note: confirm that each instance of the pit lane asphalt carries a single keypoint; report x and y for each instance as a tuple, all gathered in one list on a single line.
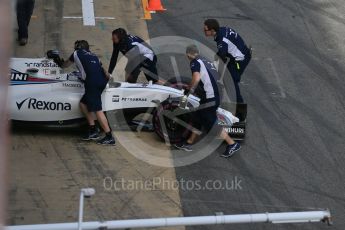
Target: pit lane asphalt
[(293, 156), (48, 168)]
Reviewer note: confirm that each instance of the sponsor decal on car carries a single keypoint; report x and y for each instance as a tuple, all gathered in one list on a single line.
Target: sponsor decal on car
[(43, 64), (17, 76), (115, 98), (46, 71), (33, 103), (235, 130), (69, 84), (131, 99)]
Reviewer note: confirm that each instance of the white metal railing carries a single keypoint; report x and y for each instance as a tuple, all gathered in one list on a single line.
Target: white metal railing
[(274, 218)]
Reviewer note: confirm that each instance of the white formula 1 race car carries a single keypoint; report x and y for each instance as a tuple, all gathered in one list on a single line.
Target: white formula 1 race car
[(40, 93)]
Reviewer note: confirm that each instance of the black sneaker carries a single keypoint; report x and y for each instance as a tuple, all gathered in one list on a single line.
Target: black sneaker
[(184, 146), (231, 149), (23, 41), (107, 140), (94, 135)]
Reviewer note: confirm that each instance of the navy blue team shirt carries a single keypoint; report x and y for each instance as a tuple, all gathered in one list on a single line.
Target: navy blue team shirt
[(208, 90), (133, 47), (230, 44), (90, 67)]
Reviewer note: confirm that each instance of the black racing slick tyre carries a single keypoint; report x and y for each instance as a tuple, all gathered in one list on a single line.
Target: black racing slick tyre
[(170, 128)]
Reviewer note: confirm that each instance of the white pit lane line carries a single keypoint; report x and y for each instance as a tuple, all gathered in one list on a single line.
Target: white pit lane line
[(88, 13), (79, 17), (175, 68), (275, 72), (88, 17)]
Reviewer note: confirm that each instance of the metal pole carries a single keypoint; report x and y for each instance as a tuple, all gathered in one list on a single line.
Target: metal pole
[(81, 209), (5, 50), (274, 218), (84, 193)]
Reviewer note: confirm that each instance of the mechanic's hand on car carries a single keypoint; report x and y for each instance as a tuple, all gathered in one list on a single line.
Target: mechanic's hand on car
[(107, 75), (59, 61), (51, 54), (216, 57), (55, 55), (183, 102)]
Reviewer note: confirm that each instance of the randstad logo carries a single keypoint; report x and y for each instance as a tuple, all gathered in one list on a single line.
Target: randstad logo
[(33, 103)]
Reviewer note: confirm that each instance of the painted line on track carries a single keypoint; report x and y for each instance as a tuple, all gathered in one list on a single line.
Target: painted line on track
[(88, 13), (174, 65), (175, 68), (275, 73), (79, 17)]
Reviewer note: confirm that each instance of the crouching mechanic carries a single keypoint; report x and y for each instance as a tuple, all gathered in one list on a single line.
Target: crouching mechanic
[(205, 74), (95, 80), (140, 56)]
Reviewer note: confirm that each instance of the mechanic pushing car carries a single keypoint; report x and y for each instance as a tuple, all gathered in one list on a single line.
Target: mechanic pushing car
[(95, 79), (205, 74), (140, 56), (231, 46)]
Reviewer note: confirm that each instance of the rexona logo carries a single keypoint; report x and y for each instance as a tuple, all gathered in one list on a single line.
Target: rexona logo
[(33, 103)]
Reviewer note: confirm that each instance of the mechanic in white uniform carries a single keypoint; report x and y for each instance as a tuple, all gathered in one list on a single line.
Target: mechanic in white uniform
[(205, 74)]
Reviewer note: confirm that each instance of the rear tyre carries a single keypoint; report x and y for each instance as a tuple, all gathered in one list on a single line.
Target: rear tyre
[(167, 128)]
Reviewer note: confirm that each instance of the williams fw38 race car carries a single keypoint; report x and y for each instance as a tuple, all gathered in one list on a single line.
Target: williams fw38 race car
[(41, 93)]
